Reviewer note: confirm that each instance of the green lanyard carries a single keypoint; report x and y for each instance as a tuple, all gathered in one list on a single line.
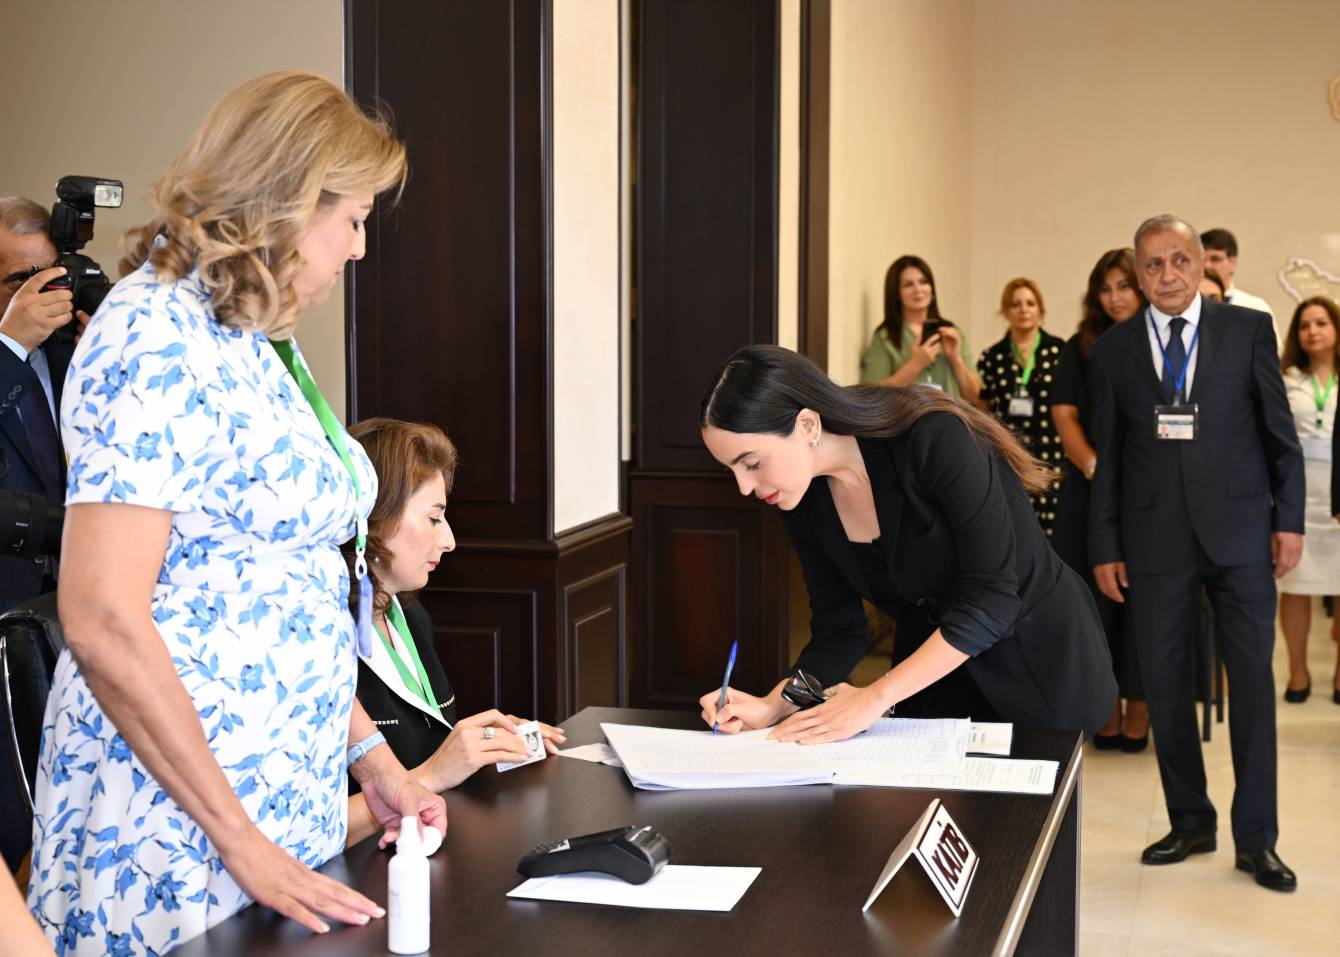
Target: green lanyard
[(1028, 366), (417, 681), (1322, 398), (335, 433)]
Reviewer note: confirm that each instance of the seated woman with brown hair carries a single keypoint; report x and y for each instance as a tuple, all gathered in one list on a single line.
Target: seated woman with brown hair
[(402, 684)]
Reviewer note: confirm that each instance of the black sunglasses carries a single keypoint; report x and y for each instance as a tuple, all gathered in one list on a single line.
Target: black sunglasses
[(804, 691)]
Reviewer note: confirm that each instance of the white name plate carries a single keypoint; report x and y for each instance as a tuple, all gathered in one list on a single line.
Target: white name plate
[(944, 853)]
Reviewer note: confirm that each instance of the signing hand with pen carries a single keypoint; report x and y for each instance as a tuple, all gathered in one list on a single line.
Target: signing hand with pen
[(744, 712)]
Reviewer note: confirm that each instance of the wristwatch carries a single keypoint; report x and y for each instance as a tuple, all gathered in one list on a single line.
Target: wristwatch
[(359, 750)]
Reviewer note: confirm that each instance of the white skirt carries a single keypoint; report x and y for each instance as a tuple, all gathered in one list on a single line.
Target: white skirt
[(1318, 572)]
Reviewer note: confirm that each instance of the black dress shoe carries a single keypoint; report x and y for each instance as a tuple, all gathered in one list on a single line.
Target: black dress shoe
[(1177, 847), (1298, 696), (1134, 745), (1110, 742), (1335, 695), (1269, 870)]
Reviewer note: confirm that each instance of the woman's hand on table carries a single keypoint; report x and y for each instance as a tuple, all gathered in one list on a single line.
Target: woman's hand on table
[(553, 737), (469, 747), (848, 711), (274, 878), (742, 711)]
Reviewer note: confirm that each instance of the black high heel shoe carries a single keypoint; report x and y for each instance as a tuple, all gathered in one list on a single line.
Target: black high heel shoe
[(1301, 694), (1111, 742), (1134, 745)]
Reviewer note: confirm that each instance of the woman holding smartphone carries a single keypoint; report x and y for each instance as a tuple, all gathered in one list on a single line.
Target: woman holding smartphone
[(920, 505), (914, 343)]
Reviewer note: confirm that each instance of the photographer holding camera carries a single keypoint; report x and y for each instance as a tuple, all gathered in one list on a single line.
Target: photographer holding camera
[(32, 371)]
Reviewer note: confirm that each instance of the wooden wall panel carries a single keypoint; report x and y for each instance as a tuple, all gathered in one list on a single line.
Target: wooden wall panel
[(597, 636), (707, 209), (450, 321), (709, 568), (486, 641), (708, 565)]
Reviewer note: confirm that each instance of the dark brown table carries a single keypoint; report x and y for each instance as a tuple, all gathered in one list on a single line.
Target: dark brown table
[(821, 849)]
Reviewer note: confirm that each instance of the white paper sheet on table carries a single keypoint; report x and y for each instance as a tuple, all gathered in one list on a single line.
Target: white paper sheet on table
[(990, 737), (676, 887), (597, 753), (979, 774), (658, 758)]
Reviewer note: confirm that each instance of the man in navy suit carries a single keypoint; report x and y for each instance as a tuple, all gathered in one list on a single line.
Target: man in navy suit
[(32, 371), (31, 458), (1199, 481)]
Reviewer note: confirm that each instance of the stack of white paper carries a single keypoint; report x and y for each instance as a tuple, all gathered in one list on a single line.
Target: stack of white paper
[(978, 774), (656, 758)]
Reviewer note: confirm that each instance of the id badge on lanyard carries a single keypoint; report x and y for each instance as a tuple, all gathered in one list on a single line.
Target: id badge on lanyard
[(335, 434), (1180, 420), (1176, 423), (1022, 404)]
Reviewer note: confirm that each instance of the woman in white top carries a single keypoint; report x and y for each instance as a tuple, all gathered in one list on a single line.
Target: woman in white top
[(1311, 357)]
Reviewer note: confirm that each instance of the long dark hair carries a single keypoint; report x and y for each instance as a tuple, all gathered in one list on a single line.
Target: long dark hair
[(893, 303), (761, 390), (1294, 357), (1095, 321)]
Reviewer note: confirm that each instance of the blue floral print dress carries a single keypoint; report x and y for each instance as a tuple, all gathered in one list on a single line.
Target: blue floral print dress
[(165, 408)]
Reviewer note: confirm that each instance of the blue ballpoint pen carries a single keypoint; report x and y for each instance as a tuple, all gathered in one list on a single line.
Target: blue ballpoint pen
[(725, 682)]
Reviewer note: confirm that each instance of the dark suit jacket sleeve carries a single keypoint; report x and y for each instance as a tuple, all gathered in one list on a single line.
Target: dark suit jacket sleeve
[(14, 373), (1278, 434), (1335, 472), (838, 629), (1106, 434), (967, 487)]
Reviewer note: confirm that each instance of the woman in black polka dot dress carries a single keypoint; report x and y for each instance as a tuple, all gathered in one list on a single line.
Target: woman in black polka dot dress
[(1017, 374)]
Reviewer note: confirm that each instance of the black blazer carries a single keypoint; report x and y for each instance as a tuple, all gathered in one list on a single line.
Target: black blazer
[(21, 579), (966, 555), (1335, 473), (412, 735), (1242, 477)]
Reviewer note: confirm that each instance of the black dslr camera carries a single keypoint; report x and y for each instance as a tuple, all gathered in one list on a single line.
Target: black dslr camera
[(71, 228)]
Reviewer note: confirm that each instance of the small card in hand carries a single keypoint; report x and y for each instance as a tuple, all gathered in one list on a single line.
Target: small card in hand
[(534, 741)]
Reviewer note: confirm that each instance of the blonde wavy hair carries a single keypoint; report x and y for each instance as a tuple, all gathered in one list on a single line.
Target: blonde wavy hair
[(242, 194)]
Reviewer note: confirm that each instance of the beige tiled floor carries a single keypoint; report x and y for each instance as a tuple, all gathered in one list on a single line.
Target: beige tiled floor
[(1204, 906)]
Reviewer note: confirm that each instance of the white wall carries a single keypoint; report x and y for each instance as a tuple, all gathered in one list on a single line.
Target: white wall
[(900, 159), (1025, 137), (587, 254), (115, 89), (1088, 118)]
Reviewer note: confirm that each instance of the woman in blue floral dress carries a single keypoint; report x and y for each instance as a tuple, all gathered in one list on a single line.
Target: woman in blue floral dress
[(194, 748)]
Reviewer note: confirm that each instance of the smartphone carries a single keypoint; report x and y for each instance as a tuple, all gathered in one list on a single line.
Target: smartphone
[(931, 327)]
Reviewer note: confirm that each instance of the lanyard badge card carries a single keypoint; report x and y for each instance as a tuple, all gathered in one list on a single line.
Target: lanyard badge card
[(1022, 404), (335, 433), (1179, 421)]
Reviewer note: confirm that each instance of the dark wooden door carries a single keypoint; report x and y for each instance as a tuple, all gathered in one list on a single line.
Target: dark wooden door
[(450, 322), (709, 565)]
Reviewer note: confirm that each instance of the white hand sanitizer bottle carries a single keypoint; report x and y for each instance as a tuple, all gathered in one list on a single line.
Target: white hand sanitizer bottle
[(407, 893)]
